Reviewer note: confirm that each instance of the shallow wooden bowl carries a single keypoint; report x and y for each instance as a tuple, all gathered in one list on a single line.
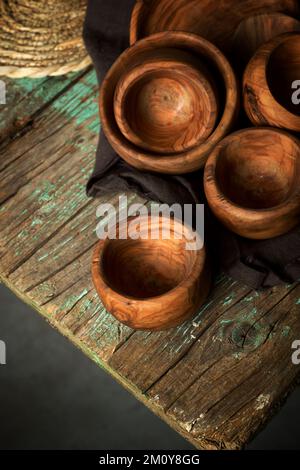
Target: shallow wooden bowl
[(166, 106), (252, 182), (215, 21), (268, 81), (151, 284), (189, 160), (256, 30)]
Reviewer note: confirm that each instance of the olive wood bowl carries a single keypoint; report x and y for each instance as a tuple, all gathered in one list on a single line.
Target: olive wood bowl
[(167, 105), (218, 66), (151, 284), (256, 30), (252, 182), (215, 21), (268, 83)]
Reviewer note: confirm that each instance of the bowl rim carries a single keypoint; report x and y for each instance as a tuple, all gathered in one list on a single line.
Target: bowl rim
[(183, 162), (161, 66), (100, 283), (213, 190), (138, 10)]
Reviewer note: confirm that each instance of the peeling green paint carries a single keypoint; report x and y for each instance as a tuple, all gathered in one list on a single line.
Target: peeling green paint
[(36, 222), (206, 307), (286, 331), (43, 193), (248, 315), (226, 322), (221, 333), (72, 300), (251, 298), (45, 88), (23, 234), (237, 355), (43, 257), (228, 300), (83, 107), (255, 335), (29, 85)]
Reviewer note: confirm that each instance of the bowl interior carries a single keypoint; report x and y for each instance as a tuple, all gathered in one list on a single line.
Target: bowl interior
[(258, 171), (139, 54), (283, 70), (170, 110), (146, 268)]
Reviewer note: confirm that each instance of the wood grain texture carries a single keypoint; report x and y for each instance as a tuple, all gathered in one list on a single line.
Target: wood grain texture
[(216, 379), (268, 80), (168, 283), (149, 49), (255, 31), (167, 106), (217, 24), (252, 182)]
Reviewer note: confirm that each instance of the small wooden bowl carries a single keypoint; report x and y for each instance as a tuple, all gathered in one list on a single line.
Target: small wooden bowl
[(215, 21), (151, 284), (217, 64), (268, 83), (166, 106), (252, 182), (256, 30)]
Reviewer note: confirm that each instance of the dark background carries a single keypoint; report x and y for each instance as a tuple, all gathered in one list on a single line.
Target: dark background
[(53, 397)]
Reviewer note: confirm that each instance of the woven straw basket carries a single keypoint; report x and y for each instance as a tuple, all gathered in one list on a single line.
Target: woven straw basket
[(41, 37)]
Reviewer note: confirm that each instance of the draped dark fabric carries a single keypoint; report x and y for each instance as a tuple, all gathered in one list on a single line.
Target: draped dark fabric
[(259, 264)]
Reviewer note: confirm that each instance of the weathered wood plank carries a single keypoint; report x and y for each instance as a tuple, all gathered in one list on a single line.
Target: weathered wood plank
[(25, 98), (215, 379), (166, 349), (225, 411), (53, 123)]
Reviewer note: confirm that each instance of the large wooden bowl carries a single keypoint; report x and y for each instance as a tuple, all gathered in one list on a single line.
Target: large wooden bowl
[(268, 81), (252, 182), (216, 63), (166, 106), (151, 284), (215, 21)]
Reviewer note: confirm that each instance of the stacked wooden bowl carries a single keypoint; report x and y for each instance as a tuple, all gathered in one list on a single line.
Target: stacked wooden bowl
[(167, 101), (168, 105)]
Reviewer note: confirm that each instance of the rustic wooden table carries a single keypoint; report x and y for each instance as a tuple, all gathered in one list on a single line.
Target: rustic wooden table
[(216, 379)]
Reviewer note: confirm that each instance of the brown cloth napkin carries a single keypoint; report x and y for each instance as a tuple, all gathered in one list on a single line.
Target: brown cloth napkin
[(259, 264)]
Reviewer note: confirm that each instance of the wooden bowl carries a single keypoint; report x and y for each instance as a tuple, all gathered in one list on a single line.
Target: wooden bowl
[(252, 182), (166, 106), (256, 30), (151, 284), (268, 83), (219, 67), (215, 21)]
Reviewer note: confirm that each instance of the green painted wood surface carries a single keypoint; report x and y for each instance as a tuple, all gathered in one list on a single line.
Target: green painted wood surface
[(216, 379)]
